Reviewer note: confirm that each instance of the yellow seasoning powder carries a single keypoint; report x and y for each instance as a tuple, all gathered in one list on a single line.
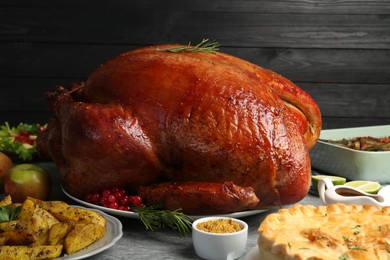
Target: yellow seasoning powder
[(220, 226)]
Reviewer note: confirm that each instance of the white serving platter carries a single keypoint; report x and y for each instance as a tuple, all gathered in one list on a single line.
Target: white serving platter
[(134, 215)]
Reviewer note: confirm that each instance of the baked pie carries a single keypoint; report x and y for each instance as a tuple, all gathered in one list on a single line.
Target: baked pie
[(337, 231)]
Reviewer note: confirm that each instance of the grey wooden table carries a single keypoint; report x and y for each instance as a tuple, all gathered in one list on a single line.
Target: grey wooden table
[(139, 243)]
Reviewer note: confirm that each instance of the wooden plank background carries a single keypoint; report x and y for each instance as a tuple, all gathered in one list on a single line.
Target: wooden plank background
[(337, 50)]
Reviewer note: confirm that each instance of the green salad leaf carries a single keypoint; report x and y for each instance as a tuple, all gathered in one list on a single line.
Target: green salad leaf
[(20, 139)]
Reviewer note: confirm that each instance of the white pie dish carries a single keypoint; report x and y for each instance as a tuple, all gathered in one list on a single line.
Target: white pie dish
[(352, 164)]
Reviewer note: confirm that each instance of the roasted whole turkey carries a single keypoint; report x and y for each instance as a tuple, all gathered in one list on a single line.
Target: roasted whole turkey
[(205, 132)]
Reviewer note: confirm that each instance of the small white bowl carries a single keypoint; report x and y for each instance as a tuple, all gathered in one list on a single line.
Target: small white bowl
[(217, 246)]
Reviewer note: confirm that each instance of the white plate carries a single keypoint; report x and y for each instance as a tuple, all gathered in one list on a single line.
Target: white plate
[(253, 254), (113, 234), (129, 214)]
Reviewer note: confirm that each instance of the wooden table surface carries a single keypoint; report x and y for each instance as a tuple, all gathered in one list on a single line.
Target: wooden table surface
[(338, 51)]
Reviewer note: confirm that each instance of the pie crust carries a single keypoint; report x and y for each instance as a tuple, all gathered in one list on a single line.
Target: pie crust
[(337, 231)]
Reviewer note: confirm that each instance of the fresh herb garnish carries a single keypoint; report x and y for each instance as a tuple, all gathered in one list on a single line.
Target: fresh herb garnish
[(9, 214), (356, 247), (346, 239), (20, 140), (358, 230), (204, 46), (154, 217)]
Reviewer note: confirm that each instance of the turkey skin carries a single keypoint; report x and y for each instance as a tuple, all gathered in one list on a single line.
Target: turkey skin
[(149, 119)]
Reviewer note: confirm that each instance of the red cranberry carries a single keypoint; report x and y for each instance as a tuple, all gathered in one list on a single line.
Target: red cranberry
[(115, 198), (106, 192), (111, 198), (124, 201), (135, 200), (113, 205), (118, 195)]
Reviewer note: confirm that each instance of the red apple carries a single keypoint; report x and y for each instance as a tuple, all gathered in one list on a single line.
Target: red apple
[(25, 180), (5, 165)]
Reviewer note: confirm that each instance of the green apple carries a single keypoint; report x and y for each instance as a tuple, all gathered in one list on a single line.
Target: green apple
[(25, 180)]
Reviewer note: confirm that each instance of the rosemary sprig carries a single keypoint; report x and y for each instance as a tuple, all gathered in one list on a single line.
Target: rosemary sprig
[(204, 46), (154, 217)]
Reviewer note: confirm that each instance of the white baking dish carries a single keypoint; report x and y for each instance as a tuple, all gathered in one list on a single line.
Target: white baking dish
[(352, 164)]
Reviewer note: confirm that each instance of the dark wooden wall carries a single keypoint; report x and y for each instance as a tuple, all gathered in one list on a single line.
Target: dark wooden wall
[(337, 50)]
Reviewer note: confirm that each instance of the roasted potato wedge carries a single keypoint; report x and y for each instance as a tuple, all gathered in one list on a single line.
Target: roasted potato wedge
[(35, 220), (58, 232), (64, 212), (46, 217), (46, 229), (29, 252), (8, 225), (42, 240), (31, 226), (6, 201), (28, 207), (82, 235), (18, 237)]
